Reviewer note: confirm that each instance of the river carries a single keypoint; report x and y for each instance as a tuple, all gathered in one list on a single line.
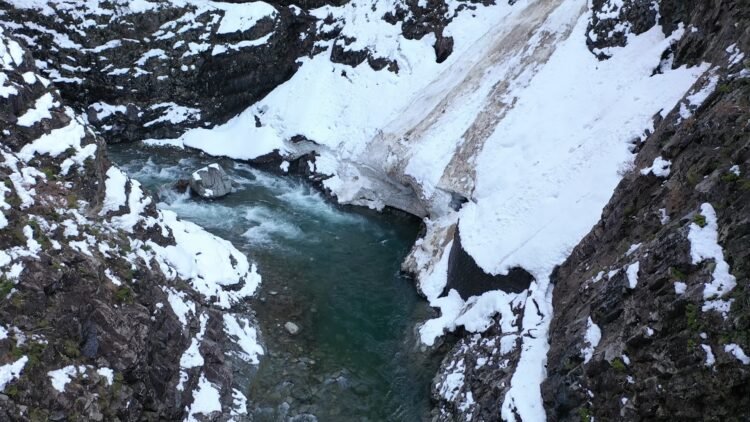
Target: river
[(333, 271)]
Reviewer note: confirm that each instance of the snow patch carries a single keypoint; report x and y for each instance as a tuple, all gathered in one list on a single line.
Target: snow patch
[(704, 245), (592, 337)]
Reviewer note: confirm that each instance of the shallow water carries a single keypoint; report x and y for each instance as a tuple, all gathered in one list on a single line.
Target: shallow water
[(332, 271)]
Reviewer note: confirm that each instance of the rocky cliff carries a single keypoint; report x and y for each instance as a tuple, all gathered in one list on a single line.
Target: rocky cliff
[(519, 124)]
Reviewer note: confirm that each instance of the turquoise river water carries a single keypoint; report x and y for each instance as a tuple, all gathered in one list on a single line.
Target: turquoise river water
[(333, 271)]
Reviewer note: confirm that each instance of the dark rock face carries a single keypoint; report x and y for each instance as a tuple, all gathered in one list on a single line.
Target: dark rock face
[(663, 354), (211, 182), (468, 279)]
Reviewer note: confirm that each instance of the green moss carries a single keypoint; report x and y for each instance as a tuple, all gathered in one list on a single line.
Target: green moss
[(124, 295), (618, 365), (18, 299), (690, 345), (117, 382), (70, 349), (700, 220), (724, 89), (5, 287), (585, 414), (693, 178), (38, 415), (50, 173), (32, 350), (12, 391), (677, 274), (18, 236), (39, 235), (691, 315), (729, 177), (72, 200)]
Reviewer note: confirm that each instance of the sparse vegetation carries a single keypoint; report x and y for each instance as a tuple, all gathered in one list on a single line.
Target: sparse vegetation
[(729, 177), (700, 220), (618, 365), (584, 414), (691, 314), (5, 287), (71, 349), (677, 274), (124, 295)]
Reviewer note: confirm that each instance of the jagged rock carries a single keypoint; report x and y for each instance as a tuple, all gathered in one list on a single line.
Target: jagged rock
[(211, 182)]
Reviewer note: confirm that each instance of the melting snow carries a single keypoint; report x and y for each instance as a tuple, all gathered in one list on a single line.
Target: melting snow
[(737, 352), (660, 168), (11, 371), (205, 399), (710, 359), (632, 273)]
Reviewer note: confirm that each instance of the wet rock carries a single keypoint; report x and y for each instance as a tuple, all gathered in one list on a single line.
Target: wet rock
[(211, 182), (292, 328), (181, 186)]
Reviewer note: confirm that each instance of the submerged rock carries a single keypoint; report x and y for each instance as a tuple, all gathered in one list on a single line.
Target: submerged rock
[(211, 182), (292, 328)]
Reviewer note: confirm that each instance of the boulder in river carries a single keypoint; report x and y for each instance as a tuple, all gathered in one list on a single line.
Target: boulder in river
[(292, 328), (211, 182)]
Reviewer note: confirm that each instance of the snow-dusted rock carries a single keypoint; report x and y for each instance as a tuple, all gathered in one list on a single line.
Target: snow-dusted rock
[(211, 182)]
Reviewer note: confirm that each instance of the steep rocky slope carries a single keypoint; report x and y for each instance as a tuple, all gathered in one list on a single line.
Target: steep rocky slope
[(109, 309)]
